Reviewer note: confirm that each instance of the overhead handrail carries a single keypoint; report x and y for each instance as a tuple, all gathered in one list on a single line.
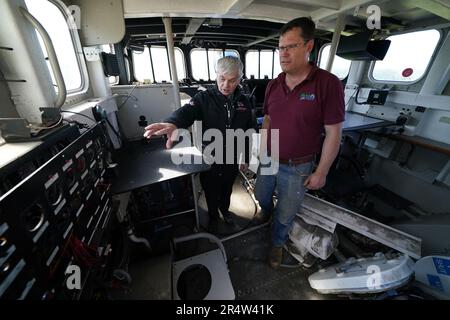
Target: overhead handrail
[(62, 91)]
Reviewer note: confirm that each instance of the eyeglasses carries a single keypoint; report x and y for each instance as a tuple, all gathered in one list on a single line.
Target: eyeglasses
[(289, 47)]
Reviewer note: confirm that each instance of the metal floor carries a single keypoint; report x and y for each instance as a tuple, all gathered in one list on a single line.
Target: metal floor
[(251, 276), (254, 279)]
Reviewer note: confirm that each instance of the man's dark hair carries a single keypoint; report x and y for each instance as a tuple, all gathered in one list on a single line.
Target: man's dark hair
[(306, 25)]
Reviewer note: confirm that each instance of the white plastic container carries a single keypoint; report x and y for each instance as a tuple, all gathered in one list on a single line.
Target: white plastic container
[(434, 271), (365, 275)]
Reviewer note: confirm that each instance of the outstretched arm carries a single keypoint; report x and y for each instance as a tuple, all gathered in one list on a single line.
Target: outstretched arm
[(162, 128), (181, 118)]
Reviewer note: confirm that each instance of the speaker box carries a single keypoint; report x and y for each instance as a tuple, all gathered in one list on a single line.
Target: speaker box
[(359, 47), (110, 64)]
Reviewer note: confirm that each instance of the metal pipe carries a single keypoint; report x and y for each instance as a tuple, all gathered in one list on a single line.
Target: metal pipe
[(53, 59), (203, 235), (151, 62), (245, 231), (99, 82), (207, 64), (173, 68), (340, 24), (194, 192), (252, 43)]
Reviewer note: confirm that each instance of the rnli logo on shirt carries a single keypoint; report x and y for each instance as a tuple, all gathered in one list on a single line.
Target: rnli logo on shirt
[(307, 96)]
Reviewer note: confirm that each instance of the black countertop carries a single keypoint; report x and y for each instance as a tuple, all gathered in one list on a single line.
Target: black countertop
[(143, 163)]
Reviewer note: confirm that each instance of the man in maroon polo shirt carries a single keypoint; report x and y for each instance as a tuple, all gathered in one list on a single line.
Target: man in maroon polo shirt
[(303, 103)]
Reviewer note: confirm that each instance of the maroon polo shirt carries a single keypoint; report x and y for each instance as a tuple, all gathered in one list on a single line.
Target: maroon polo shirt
[(300, 114)]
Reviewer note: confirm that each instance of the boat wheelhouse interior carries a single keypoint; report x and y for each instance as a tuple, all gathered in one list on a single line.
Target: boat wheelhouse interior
[(90, 209)]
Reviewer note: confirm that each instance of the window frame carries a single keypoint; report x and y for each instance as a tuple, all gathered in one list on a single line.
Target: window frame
[(79, 53), (207, 61), (276, 51), (245, 67), (407, 83), (133, 52), (183, 60), (152, 71), (259, 63), (170, 80), (273, 63), (320, 58)]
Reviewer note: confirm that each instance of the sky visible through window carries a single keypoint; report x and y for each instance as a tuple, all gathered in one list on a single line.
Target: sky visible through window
[(407, 51), (56, 26), (200, 66), (340, 66), (143, 67), (262, 61)]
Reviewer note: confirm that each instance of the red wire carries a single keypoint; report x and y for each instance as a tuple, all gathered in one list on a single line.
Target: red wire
[(83, 253)]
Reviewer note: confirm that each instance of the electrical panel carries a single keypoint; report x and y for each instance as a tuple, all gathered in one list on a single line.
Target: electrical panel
[(15, 171), (55, 220)]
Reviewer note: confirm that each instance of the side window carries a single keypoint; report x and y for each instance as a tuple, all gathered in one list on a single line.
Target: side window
[(142, 66), (340, 67), (204, 62), (263, 64), (54, 20), (213, 56), (160, 63), (153, 65), (199, 64), (276, 64), (252, 64), (181, 65), (407, 58)]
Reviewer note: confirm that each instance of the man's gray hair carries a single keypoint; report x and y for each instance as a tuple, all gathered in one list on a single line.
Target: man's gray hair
[(230, 64)]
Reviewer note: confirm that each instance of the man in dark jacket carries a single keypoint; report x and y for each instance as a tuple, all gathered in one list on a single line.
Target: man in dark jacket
[(222, 107)]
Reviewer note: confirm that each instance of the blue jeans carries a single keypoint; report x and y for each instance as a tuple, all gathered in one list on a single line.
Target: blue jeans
[(288, 184)]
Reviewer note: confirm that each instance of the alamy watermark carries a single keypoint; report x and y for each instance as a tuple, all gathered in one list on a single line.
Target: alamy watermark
[(374, 280), (233, 147), (374, 19), (73, 281)]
